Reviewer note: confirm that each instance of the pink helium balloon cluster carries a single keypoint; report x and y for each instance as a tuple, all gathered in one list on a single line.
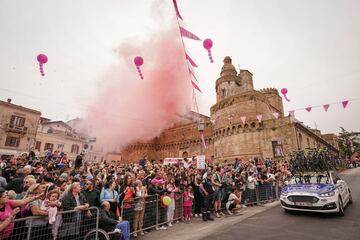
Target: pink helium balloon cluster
[(208, 45), (42, 59), (284, 91), (138, 60)]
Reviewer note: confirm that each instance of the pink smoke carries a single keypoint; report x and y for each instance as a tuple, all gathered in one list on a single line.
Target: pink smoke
[(127, 108)]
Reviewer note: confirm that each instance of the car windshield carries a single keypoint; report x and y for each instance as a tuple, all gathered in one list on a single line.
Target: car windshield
[(310, 179)]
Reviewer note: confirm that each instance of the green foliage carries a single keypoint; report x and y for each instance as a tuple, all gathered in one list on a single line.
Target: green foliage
[(347, 143)]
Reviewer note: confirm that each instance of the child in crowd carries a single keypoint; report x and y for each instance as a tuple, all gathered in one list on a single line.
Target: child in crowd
[(188, 198), (52, 205), (141, 193)]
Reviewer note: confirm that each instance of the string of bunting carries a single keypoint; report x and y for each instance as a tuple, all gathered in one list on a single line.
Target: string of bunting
[(184, 33), (276, 115)]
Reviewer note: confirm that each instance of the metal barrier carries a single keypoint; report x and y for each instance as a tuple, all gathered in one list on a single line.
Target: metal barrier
[(66, 225), (262, 193), (144, 213)]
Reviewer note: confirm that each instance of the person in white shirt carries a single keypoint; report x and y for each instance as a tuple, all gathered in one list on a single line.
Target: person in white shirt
[(233, 202)]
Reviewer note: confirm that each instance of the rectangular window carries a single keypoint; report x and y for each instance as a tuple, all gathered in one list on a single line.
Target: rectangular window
[(12, 141), (75, 148), (17, 121), (38, 145), (49, 146)]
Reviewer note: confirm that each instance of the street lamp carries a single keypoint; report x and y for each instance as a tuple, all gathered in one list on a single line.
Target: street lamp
[(201, 128)]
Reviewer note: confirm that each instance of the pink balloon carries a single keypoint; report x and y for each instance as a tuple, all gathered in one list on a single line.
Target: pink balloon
[(284, 91), (207, 43), (138, 61), (42, 58)]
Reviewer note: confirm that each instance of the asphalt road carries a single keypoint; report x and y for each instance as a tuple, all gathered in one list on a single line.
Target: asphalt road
[(275, 224)]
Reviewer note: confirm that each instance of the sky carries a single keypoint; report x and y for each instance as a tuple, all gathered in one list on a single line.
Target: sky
[(309, 47)]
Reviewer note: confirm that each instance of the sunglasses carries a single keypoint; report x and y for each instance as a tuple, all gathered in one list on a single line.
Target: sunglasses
[(26, 182)]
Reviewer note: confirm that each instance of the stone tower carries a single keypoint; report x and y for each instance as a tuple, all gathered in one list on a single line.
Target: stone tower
[(230, 83)]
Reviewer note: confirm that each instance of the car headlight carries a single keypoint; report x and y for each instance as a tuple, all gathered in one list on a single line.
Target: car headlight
[(327, 194), (284, 194)]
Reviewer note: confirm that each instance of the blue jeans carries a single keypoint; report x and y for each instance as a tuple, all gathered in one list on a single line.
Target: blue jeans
[(124, 226)]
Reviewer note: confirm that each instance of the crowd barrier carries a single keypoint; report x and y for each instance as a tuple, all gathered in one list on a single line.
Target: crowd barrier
[(68, 225), (142, 213)]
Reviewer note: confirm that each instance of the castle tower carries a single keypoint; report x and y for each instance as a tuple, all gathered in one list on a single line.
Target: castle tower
[(230, 83)]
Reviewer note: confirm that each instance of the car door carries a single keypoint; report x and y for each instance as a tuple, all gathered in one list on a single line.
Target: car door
[(341, 186)]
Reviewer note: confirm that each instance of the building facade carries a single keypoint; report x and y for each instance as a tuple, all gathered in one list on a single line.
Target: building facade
[(18, 128), (244, 123)]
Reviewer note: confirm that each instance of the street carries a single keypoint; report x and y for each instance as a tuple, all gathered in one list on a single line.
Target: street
[(276, 224)]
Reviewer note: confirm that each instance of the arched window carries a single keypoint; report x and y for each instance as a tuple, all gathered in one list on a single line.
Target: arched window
[(253, 125), (300, 141)]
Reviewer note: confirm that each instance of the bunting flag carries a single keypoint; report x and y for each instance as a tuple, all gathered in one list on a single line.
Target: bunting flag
[(203, 139), (177, 10), (326, 107), (345, 103), (195, 86), (213, 121), (188, 34), (259, 117), (292, 113), (192, 74), (243, 119), (190, 60), (276, 115), (308, 109)]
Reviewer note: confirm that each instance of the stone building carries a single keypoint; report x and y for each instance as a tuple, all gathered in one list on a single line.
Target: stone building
[(244, 123), (18, 127)]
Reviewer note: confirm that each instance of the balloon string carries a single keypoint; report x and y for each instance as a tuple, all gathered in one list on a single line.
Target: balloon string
[(286, 98)]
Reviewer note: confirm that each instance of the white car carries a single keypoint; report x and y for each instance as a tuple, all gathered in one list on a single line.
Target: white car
[(316, 192)]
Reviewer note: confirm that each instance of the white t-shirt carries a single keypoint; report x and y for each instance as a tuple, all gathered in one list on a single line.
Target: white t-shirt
[(251, 182), (231, 199)]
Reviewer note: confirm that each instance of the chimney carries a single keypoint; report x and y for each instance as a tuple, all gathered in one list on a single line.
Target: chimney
[(9, 100)]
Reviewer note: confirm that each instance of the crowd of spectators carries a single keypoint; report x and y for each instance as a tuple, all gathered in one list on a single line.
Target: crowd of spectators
[(42, 187)]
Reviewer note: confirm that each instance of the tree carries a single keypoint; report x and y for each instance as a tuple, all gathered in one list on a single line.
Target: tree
[(347, 143)]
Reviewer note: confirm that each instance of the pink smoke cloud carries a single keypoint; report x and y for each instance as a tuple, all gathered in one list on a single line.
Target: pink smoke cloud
[(127, 108)]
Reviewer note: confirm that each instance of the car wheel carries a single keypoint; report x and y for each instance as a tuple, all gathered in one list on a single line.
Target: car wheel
[(350, 197), (341, 211)]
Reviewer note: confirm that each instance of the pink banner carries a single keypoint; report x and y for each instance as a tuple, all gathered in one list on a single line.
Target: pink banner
[(177, 10), (188, 34), (243, 119), (308, 109), (292, 113), (326, 107), (259, 117), (276, 115), (190, 60), (344, 103), (196, 86)]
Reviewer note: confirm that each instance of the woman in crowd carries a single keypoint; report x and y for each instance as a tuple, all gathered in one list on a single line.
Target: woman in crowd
[(8, 211), (109, 194)]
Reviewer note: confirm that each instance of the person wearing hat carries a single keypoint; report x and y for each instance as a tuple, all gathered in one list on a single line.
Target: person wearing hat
[(208, 191)]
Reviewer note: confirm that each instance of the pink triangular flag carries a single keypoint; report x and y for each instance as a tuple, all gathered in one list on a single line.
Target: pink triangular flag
[(326, 107), (345, 103), (276, 115), (308, 109), (196, 86), (188, 34), (259, 117), (213, 121), (177, 10), (243, 119), (190, 60), (292, 113)]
